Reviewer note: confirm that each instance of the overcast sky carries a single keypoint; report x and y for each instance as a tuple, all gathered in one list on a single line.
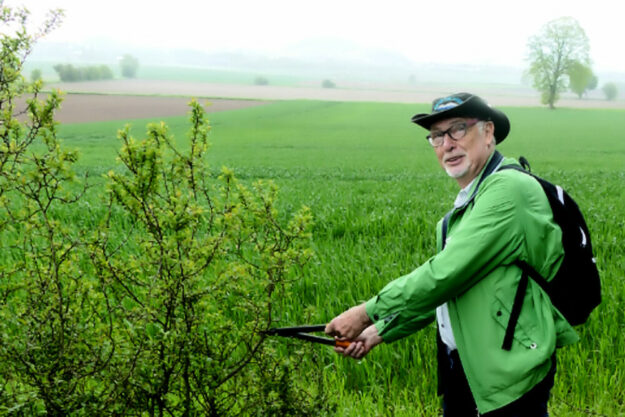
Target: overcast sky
[(440, 31)]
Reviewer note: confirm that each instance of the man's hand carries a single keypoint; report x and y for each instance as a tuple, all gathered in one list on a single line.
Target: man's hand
[(362, 345), (349, 324)]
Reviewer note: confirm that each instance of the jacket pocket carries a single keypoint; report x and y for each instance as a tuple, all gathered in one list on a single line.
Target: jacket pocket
[(501, 314)]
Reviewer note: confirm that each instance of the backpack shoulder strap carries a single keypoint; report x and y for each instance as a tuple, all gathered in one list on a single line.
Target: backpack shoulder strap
[(444, 227), (528, 271), (492, 166)]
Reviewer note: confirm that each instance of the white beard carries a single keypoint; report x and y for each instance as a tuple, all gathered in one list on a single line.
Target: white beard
[(457, 174)]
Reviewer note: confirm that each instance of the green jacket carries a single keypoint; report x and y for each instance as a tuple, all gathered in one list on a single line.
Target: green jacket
[(476, 275)]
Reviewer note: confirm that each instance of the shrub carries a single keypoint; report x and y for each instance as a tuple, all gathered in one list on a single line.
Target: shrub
[(54, 337), (209, 258), (153, 303), (261, 81), (129, 66), (328, 84), (610, 90), (35, 75)]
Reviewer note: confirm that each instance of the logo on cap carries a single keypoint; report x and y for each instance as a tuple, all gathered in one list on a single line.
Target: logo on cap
[(447, 103)]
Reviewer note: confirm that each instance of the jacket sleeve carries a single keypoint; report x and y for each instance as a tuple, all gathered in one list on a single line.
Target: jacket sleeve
[(486, 236)]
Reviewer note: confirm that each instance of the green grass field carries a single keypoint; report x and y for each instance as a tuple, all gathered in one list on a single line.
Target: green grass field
[(376, 193)]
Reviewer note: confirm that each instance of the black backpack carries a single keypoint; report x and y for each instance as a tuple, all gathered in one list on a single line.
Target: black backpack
[(575, 290)]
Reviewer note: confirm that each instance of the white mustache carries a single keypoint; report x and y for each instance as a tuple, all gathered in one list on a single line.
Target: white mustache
[(452, 157)]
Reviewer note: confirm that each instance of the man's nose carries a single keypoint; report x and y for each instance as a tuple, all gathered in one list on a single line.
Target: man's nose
[(448, 142)]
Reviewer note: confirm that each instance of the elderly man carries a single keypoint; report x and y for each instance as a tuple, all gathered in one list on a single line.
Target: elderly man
[(469, 286)]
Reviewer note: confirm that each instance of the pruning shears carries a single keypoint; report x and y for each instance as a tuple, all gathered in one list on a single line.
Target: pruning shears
[(302, 332)]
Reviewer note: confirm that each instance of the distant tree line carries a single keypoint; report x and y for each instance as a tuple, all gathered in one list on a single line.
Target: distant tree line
[(69, 73)]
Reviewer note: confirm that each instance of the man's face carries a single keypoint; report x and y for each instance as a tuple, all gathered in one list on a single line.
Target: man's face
[(463, 159)]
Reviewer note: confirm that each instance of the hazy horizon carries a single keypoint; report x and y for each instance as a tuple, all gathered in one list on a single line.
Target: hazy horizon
[(483, 32)]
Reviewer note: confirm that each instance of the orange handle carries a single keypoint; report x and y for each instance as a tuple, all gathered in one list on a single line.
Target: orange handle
[(342, 343)]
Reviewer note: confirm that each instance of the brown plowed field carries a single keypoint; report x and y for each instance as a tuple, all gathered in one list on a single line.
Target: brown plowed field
[(131, 99), (78, 108)]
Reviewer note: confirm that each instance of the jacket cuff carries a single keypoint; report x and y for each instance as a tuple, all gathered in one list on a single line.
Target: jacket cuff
[(380, 323)]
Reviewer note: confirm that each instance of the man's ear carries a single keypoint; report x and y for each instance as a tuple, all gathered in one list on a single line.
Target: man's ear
[(489, 131)]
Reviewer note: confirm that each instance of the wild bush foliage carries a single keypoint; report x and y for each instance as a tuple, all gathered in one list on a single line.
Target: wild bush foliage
[(203, 262), (152, 304)]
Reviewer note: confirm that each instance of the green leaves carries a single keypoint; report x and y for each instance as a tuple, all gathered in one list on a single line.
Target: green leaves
[(200, 280)]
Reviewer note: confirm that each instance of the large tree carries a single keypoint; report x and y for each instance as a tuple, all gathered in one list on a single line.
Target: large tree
[(560, 43)]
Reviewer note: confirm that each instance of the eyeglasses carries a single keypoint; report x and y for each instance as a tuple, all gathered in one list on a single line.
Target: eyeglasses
[(456, 132)]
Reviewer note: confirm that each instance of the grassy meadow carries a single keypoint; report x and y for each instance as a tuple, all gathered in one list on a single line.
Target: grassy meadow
[(376, 192)]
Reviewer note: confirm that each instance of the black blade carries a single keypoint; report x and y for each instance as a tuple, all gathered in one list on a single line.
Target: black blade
[(314, 339), (291, 331)]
